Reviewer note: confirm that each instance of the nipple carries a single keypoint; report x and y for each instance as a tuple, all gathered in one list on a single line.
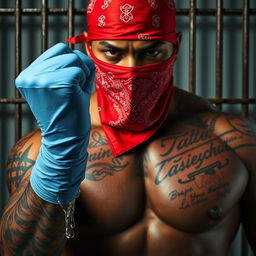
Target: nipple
[(215, 212)]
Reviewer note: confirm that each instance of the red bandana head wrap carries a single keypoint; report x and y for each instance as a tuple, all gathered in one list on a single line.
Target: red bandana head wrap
[(133, 102)]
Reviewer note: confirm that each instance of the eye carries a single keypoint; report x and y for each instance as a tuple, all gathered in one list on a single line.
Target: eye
[(152, 53), (111, 53)]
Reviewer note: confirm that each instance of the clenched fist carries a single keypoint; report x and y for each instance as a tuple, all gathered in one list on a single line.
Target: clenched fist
[(57, 87)]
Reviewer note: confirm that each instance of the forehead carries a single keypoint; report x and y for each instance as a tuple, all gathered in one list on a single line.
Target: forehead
[(131, 43)]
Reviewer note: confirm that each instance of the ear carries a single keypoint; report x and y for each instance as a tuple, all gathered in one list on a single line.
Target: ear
[(179, 38), (86, 44)]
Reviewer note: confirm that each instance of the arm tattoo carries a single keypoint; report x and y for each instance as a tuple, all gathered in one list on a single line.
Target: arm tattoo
[(242, 125), (31, 226), (18, 162), (240, 134)]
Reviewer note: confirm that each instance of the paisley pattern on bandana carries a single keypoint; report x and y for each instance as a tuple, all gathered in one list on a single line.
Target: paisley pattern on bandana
[(101, 20), (131, 101), (126, 12), (128, 18), (153, 4), (106, 4), (91, 6), (156, 21)]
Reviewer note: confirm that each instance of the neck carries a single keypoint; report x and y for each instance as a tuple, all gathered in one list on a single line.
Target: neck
[(95, 118)]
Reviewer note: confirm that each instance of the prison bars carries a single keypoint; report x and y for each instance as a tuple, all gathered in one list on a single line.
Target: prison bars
[(18, 110), (192, 12)]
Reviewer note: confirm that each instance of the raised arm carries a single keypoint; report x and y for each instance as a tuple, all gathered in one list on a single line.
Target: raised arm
[(44, 182)]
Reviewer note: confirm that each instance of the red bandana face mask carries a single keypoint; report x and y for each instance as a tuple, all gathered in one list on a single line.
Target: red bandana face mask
[(133, 101)]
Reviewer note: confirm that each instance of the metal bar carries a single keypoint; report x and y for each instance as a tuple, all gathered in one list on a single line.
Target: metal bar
[(37, 11), (245, 89), (11, 100), (70, 20), (211, 11), (44, 25), (232, 101), (64, 11), (18, 110), (192, 46), (219, 51)]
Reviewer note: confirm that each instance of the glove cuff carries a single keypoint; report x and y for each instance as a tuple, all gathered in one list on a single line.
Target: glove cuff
[(57, 184)]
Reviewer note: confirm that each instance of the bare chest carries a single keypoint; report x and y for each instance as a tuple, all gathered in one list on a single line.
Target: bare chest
[(188, 178)]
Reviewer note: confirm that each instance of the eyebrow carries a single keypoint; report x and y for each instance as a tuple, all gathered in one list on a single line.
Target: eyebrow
[(154, 44)]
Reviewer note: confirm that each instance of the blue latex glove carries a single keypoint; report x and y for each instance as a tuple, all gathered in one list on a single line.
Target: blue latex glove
[(57, 87)]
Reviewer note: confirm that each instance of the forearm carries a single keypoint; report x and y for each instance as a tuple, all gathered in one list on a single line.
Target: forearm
[(31, 226)]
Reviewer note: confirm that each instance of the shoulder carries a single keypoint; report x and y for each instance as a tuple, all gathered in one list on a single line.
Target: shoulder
[(22, 158), (186, 102), (224, 124), (237, 131)]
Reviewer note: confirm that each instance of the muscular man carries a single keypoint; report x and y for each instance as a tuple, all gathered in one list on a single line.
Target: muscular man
[(166, 174)]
